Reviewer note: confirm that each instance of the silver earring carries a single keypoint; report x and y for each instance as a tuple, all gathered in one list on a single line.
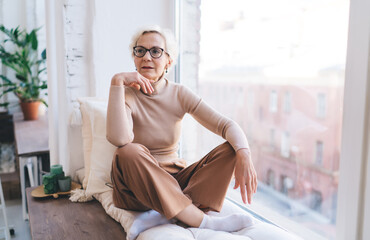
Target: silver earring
[(166, 70)]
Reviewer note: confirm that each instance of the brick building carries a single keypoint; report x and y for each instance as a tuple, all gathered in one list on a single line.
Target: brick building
[(293, 126)]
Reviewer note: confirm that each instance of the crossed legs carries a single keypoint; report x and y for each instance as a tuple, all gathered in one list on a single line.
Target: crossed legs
[(141, 184)]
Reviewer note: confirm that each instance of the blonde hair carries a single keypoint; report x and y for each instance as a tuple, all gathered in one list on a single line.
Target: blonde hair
[(169, 38)]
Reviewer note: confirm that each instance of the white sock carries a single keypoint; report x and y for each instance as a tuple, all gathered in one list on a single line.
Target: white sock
[(230, 223), (145, 221)]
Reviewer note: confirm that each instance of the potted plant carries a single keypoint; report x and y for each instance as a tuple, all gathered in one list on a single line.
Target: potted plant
[(28, 67)]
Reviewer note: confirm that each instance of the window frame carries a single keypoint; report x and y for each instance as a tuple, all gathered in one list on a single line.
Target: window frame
[(321, 105), (285, 144), (273, 101), (319, 144), (354, 170), (287, 102), (355, 146)]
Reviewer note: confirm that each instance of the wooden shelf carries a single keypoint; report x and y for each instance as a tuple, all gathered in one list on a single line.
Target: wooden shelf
[(62, 219), (32, 137)]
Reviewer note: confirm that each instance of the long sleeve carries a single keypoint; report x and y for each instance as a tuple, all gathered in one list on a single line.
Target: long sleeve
[(213, 121), (119, 119)]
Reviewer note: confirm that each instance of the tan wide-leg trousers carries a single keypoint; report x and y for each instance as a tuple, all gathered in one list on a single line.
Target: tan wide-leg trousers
[(140, 184)]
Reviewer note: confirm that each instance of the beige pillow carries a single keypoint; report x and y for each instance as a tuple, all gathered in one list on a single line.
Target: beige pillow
[(86, 138), (98, 152)]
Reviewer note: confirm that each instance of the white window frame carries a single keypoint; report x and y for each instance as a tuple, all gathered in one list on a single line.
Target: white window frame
[(321, 105), (353, 209), (285, 144), (287, 102), (317, 146), (271, 178), (273, 101)]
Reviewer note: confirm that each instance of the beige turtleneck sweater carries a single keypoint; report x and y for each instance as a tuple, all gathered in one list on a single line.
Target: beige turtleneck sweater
[(155, 120)]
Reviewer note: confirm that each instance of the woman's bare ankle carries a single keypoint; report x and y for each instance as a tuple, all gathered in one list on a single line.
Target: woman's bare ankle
[(191, 215)]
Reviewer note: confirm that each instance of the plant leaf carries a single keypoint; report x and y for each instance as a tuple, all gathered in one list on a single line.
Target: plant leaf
[(5, 104), (43, 101), (40, 71), (7, 84), (21, 77), (7, 90), (16, 32), (43, 54), (33, 39), (5, 79), (40, 61)]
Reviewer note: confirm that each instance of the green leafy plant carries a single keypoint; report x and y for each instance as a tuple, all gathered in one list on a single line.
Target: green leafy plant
[(26, 63)]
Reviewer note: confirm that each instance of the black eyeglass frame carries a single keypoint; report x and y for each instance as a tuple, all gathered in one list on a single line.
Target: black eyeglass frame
[(146, 50)]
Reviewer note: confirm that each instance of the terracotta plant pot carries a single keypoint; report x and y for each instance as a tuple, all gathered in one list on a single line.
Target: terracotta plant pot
[(30, 110)]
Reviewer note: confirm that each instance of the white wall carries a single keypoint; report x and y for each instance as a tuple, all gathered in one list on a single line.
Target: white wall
[(114, 24)]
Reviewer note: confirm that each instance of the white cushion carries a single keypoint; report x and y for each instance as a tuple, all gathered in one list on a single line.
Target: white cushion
[(98, 152), (79, 175), (86, 138), (259, 231)]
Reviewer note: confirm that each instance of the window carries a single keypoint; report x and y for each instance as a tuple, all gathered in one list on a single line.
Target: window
[(316, 200), (321, 105), (273, 101), (319, 152), (285, 145), (287, 102), (274, 53), (270, 178), (286, 183)]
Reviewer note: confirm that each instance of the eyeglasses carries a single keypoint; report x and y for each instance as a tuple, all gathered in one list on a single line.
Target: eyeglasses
[(155, 52)]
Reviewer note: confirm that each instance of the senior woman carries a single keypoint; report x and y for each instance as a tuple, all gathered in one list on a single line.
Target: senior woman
[(144, 121)]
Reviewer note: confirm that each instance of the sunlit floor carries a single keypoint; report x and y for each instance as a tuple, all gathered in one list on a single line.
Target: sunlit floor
[(15, 220)]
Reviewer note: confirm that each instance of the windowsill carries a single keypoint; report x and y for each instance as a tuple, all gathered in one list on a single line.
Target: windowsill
[(268, 215)]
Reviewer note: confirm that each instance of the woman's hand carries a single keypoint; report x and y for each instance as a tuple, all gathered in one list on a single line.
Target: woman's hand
[(133, 79), (245, 174)]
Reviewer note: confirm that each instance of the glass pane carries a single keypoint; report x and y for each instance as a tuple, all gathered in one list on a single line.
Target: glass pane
[(277, 68)]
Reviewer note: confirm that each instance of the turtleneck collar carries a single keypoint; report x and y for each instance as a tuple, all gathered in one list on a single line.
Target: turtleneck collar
[(158, 86)]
